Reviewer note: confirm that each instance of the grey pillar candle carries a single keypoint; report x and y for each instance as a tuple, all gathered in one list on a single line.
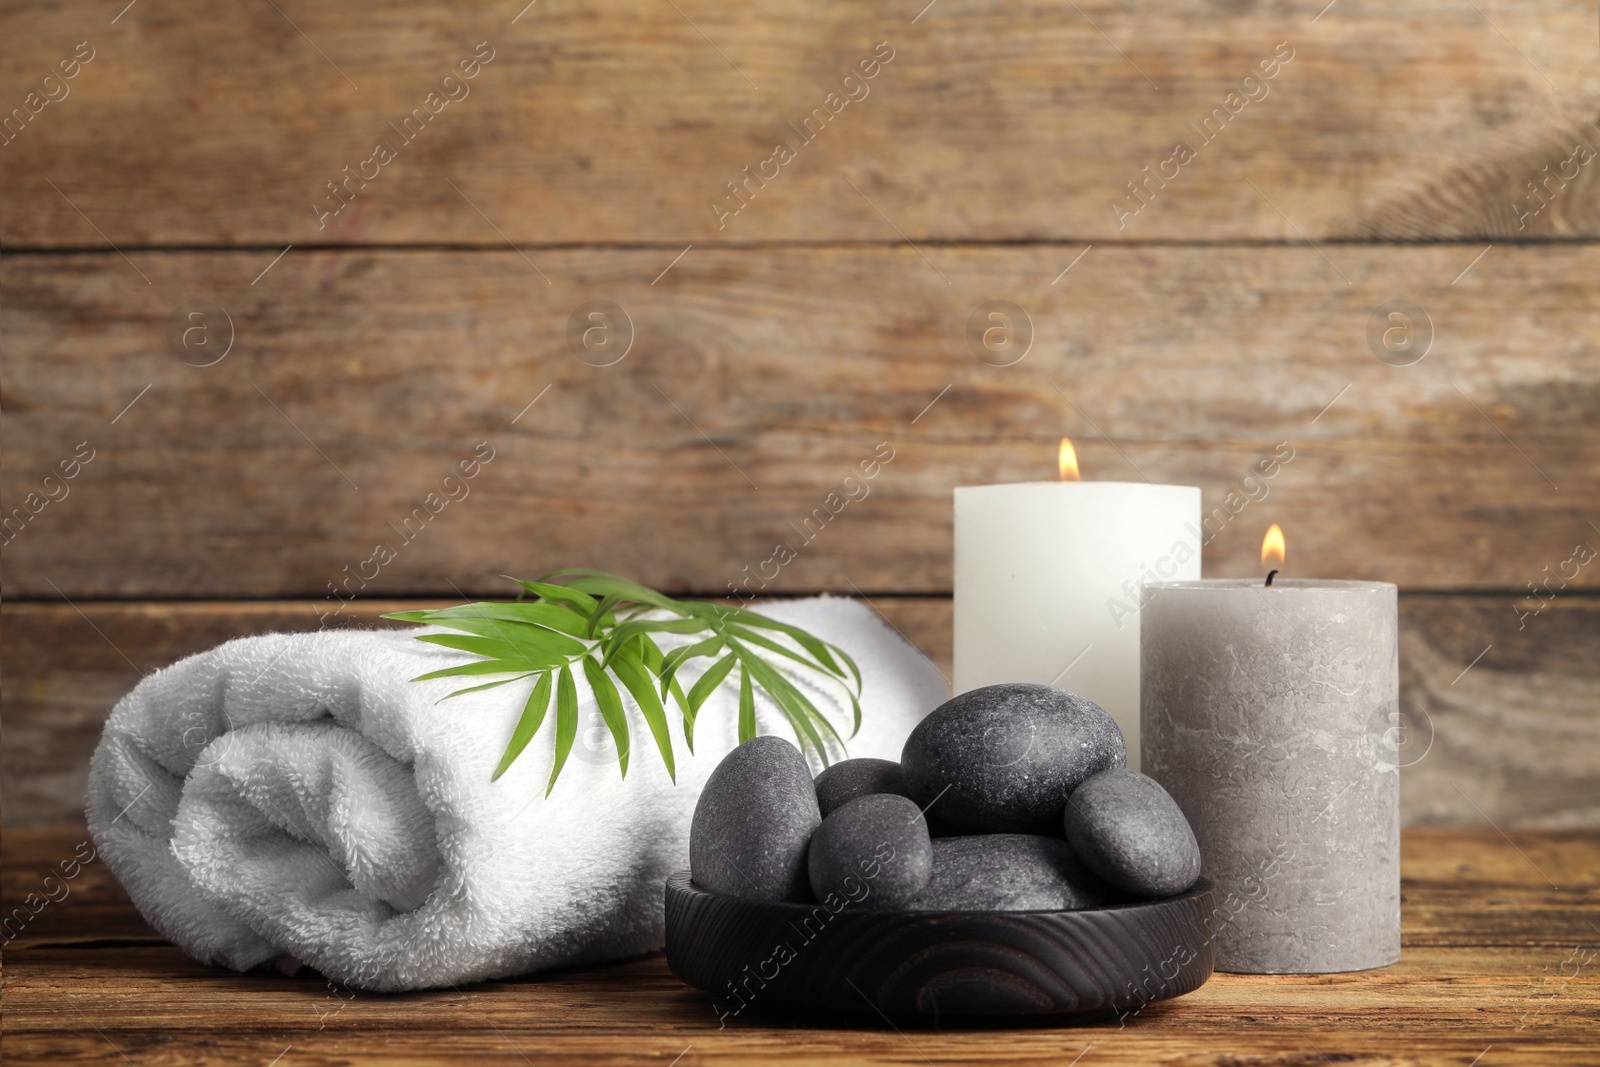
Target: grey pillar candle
[(1265, 712)]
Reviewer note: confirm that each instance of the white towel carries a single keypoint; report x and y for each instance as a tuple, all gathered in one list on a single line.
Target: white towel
[(297, 798)]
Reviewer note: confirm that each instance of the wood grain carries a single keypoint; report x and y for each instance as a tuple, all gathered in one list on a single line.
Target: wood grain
[(1516, 977), (757, 381), (1515, 739), (620, 121), (939, 968), (826, 316)]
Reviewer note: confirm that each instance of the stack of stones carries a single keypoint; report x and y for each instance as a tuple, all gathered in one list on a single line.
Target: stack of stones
[(1010, 798)]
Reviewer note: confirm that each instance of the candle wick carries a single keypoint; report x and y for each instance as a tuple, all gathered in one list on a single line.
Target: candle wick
[(1273, 573)]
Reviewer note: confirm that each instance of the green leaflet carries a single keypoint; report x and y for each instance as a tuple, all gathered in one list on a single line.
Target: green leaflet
[(552, 616), (682, 701), (810, 739), (528, 725), (800, 712), (676, 658), (747, 708), (487, 685), (610, 626), (855, 704), (701, 690), (482, 666), (751, 637), (655, 663), (559, 594), (566, 723), (605, 695), (819, 649), (622, 635), (537, 648), (611, 585), (599, 614), (521, 635), (407, 616), (630, 668)]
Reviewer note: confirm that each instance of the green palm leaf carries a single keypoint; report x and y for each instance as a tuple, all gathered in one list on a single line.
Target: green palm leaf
[(609, 626)]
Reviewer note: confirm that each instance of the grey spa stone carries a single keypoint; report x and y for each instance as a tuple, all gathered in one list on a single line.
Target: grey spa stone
[(852, 778), (753, 822), (1130, 832), (1004, 758), (1008, 872), (874, 852)]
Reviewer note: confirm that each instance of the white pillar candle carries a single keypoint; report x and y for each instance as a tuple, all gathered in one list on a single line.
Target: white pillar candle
[(1266, 715), (1047, 578)]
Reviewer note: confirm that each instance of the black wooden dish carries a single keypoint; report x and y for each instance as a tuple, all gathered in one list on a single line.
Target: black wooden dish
[(938, 967)]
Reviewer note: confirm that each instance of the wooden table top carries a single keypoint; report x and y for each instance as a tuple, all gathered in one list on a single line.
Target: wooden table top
[(1501, 965)]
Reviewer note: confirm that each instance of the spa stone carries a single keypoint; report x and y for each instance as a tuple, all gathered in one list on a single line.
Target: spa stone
[(874, 852), (1003, 759), (753, 821), (1131, 833), (1008, 872), (852, 778)]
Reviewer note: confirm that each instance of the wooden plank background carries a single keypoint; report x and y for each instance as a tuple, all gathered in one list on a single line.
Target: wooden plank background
[(1388, 159), (758, 378), (211, 123)]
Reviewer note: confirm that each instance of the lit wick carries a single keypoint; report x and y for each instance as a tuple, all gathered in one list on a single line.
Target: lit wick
[(1273, 547)]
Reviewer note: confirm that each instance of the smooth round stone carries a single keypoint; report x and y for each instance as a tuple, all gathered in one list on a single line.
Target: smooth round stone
[(860, 777), (873, 852), (1130, 832), (1004, 758), (1008, 872), (753, 822)]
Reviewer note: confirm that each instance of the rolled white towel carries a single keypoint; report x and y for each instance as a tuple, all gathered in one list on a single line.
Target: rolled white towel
[(296, 797)]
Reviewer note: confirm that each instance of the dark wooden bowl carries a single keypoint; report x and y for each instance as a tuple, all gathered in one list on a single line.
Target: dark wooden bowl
[(936, 966)]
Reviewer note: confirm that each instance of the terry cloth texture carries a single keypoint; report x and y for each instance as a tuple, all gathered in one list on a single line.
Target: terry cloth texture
[(297, 798)]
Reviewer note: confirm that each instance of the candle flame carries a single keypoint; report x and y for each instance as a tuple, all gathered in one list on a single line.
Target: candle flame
[(1067, 461), (1273, 547)]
